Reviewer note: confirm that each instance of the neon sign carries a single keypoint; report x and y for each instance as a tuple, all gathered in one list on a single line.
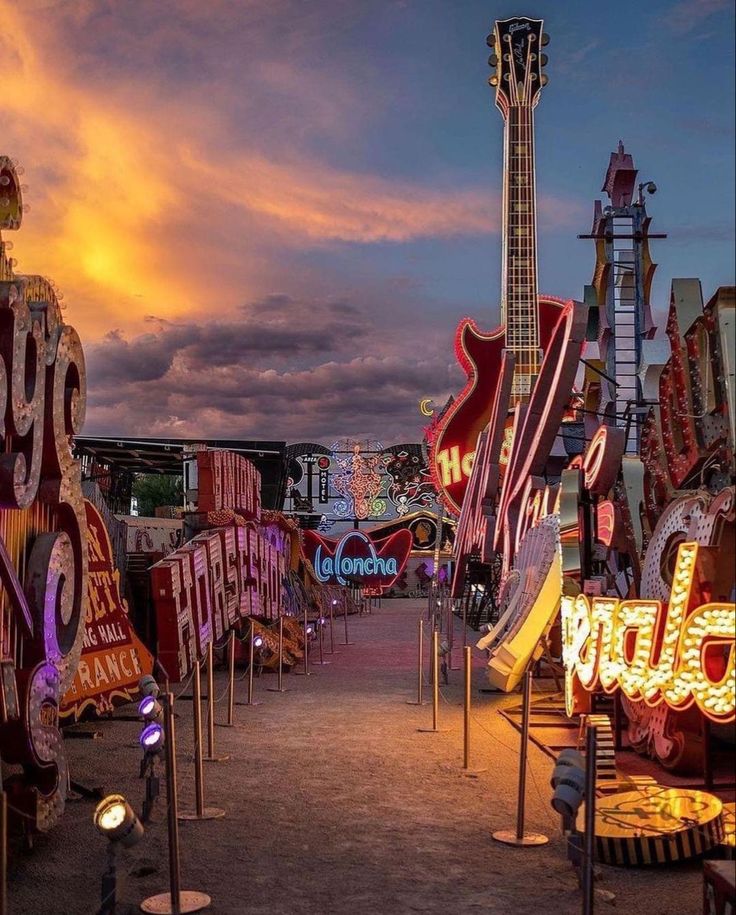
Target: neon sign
[(679, 655), (355, 556)]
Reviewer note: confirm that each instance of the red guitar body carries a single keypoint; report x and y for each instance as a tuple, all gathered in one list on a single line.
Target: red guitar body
[(456, 436)]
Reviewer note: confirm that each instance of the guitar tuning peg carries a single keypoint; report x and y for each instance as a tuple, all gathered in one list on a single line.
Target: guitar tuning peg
[(544, 79), (493, 81), (543, 60), (545, 39), (491, 40), (492, 60)]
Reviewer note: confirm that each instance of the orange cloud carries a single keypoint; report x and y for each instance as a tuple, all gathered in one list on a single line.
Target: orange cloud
[(128, 198)]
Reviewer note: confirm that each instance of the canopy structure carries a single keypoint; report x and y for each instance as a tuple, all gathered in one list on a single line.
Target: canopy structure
[(112, 462)]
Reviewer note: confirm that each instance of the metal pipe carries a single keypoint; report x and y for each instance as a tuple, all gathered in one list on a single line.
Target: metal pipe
[(3, 853), (420, 661), (436, 678), (521, 799), (251, 663), (591, 742), (198, 773), (210, 701), (332, 626), (281, 655), (467, 652), (231, 680), (345, 615), (172, 805)]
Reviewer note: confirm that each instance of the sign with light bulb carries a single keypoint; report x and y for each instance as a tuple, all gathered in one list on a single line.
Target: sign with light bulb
[(356, 557), (681, 654)]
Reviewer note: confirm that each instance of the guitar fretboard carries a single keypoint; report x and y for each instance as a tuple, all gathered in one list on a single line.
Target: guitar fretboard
[(519, 279)]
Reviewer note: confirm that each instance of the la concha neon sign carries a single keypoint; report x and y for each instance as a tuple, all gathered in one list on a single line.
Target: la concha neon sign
[(355, 557), (682, 655)]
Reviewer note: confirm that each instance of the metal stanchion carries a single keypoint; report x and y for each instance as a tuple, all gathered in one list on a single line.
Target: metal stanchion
[(4, 853), (332, 626), (518, 836), (306, 672), (211, 755), (321, 623), (200, 812), (176, 901), (420, 673), (280, 688), (251, 665), (435, 685), (468, 659), (450, 633), (588, 881), (345, 615), (465, 623), (231, 681)]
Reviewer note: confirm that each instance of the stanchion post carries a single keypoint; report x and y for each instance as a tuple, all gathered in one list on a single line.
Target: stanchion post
[(435, 685), (591, 751), (251, 663), (280, 688), (518, 836), (3, 853), (332, 625), (305, 626), (466, 708), (420, 662), (345, 616), (231, 680), (211, 755), (321, 622), (468, 685), (200, 811), (176, 901)]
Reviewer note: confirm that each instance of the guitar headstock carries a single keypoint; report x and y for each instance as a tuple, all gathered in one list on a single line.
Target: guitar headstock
[(518, 60)]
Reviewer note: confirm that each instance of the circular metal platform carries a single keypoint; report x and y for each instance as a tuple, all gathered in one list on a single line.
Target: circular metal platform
[(189, 901), (656, 825)]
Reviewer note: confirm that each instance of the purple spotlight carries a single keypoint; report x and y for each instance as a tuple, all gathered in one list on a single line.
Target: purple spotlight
[(152, 737), (258, 641), (310, 630)]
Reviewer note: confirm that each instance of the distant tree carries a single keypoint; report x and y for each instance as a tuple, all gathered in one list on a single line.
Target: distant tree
[(155, 489)]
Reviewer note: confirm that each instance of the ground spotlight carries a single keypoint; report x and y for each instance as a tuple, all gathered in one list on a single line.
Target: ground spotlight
[(148, 686), (310, 630), (568, 782), (117, 821), (334, 602), (152, 737), (149, 708), (258, 641)]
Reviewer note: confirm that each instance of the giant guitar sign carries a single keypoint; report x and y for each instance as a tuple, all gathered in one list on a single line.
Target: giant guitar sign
[(528, 319)]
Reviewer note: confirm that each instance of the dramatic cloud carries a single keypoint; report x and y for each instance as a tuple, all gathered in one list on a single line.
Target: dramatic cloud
[(243, 378)]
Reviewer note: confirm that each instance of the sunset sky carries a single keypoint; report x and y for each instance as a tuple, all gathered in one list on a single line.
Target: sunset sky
[(267, 216)]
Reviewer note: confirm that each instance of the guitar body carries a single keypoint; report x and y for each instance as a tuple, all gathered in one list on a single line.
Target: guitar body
[(480, 356)]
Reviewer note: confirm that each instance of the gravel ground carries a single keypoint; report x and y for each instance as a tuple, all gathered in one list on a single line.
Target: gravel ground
[(335, 803)]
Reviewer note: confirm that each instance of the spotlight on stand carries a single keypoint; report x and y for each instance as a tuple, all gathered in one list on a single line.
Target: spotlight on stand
[(568, 782), (117, 821), (258, 641), (152, 738), (149, 708), (148, 686)]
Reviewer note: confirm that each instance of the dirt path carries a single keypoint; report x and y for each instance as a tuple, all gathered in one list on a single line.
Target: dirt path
[(337, 804)]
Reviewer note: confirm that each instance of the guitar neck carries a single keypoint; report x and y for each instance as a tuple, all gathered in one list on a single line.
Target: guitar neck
[(519, 280)]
